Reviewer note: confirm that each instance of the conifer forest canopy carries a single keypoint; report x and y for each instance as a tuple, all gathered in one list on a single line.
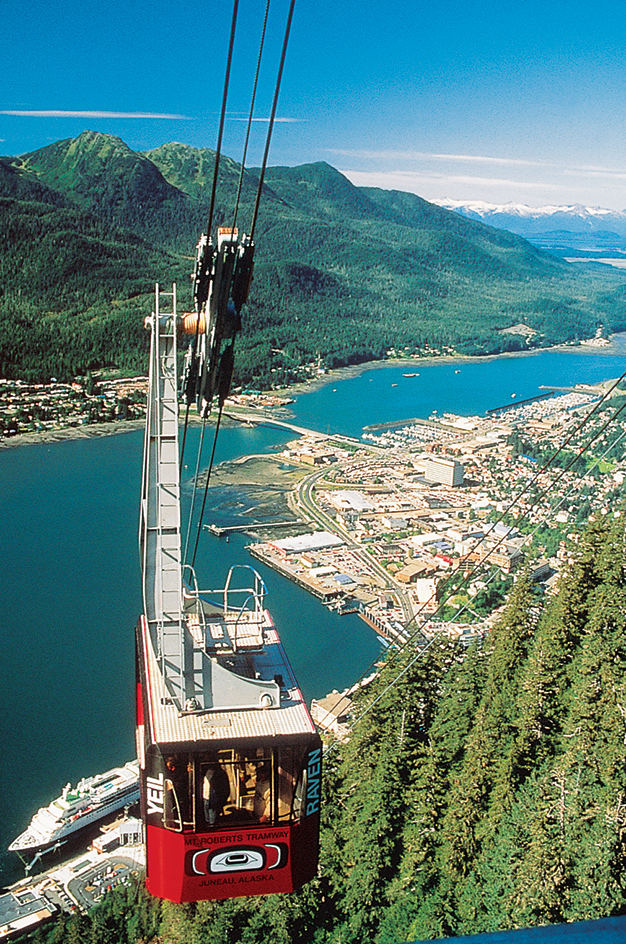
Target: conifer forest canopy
[(343, 274), (484, 790)]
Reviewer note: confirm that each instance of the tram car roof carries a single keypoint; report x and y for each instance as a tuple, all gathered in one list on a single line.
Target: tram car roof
[(286, 717)]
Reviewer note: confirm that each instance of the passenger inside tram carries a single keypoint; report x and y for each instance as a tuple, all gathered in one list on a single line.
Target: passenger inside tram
[(176, 798), (230, 787), (215, 791)]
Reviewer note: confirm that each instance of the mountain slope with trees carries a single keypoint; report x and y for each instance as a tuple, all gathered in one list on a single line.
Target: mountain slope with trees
[(481, 790), (343, 274)]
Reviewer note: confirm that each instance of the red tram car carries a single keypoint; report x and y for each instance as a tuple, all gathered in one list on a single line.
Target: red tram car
[(230, 759)]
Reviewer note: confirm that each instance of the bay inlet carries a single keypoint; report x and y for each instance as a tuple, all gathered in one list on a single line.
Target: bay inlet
[(71, 587)]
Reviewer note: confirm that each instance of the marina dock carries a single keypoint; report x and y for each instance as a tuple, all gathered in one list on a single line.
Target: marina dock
[(319, 590), (252, 526), (516, 403), (414, 421)]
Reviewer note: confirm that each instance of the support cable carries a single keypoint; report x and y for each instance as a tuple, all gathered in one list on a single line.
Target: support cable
[(185, 426), (250, 116), (439, 635), (528, 537), (271, 122), (532, 481), (206, 486), (253, 223), (193, 493), (222, 117), (218, 149)]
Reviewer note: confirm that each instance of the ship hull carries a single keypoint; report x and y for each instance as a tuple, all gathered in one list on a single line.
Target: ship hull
[(39, 837)]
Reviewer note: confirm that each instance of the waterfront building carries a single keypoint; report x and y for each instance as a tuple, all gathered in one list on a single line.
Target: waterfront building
[(303, 543), (445, 471), (332, 714), (348, 500)]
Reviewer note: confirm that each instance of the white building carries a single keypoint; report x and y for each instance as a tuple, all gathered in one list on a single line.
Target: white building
[(444, 471), (349, 500)]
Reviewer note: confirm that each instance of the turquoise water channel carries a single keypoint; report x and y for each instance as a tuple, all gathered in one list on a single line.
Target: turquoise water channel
[(70, 577)]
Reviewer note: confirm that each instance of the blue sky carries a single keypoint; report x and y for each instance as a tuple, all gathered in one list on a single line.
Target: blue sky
[(498, 101)]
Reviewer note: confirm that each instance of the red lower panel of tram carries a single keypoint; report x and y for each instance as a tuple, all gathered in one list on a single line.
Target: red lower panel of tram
[(229, 864)]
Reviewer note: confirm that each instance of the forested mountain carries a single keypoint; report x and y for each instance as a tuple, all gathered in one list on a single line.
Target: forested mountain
[(343, 273), (480, 790)]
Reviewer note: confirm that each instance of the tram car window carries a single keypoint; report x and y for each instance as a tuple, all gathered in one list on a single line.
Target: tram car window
[(231, 787)]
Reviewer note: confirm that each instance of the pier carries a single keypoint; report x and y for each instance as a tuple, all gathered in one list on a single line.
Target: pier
[(260, 418), (325, 594), (515, 403), (414, 421), (345, 607), (252, 526)]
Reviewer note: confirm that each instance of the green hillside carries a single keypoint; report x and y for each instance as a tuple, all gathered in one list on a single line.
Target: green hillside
[(483, 789), (100, 173), (343, 274), (73, 292)]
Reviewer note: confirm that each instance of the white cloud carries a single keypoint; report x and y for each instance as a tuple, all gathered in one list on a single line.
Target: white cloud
[(425, 155), (91, 114), (604, 172), (414, 182)]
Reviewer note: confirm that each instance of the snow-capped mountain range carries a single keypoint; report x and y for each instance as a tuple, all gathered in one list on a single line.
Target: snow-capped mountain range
[(578, 226)]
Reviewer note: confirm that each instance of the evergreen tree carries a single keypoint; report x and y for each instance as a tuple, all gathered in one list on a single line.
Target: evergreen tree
[(478, 791)]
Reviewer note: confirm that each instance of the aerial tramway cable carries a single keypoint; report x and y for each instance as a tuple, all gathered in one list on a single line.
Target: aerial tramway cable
[(272, 119), (222, 279), (565, 497), (218, 708), (220, 132), (250, 115), (233, 227), (214, 184)]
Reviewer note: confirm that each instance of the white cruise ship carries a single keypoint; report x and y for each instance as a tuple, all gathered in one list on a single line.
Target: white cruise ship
[(91, 800)]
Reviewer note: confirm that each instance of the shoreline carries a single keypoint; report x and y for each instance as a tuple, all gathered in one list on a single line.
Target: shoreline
[(354, 370), (93, 431), (116, 427)]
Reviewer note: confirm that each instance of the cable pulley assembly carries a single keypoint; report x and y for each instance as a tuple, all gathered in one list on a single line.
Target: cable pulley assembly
[(221, 286), (221, 282)]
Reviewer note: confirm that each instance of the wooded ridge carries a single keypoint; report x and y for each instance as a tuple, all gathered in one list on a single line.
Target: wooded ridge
[(482, 789), (343, 274)]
